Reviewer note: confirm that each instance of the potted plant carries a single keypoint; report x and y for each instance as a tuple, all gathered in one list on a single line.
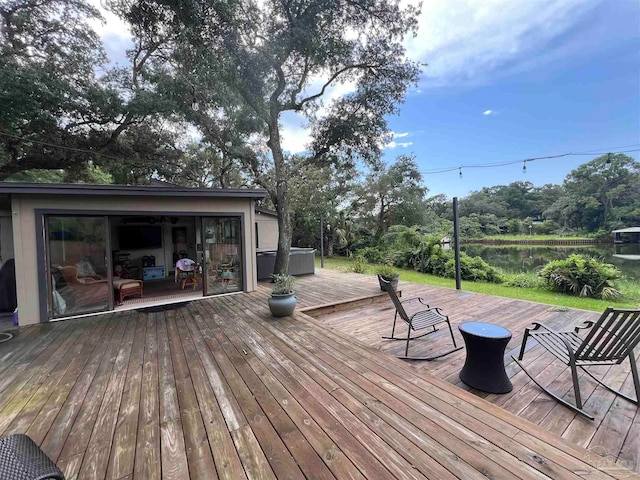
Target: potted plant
[(282, 302), (389, 274)]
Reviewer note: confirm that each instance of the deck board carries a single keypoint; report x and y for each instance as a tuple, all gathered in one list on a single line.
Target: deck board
[(220, 389), (611, 434)]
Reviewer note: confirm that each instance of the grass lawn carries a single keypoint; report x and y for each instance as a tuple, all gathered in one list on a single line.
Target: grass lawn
[(631, 291)]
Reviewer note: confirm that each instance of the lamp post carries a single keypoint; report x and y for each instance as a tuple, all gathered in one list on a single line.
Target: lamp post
[(321, 243)]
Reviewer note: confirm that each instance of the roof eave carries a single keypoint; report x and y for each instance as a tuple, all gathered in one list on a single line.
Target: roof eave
[(125, 190)]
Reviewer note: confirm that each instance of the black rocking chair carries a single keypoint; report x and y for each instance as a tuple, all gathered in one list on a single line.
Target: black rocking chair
[(427, 318), (609, 341)]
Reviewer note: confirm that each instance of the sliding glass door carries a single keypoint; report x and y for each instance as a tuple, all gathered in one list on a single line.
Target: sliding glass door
[(76, 252), (223, 268)]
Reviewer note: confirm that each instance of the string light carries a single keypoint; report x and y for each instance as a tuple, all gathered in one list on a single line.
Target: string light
[(524, 166), (512, 162), (460, 169)]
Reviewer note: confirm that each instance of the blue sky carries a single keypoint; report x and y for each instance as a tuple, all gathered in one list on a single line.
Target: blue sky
[(507, 80), (571, 87)]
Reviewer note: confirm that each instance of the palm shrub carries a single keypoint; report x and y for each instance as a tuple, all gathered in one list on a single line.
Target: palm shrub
[(583, 276)]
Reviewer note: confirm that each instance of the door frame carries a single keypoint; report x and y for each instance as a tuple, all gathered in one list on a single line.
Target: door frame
[(42, 262), (200, 246), (44, 277)]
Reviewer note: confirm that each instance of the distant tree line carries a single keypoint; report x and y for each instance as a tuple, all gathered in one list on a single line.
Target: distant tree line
[(595, 198)]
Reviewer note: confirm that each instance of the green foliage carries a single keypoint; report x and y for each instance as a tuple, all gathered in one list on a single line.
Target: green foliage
[(404, 247), (391, 195), (545, 228), (523, 280), (630, 298), (475, 269), (387, 271), (359, 264), (599, 194), (601, 235), (370, 254), (282, 284), (582, 276), (515, 226), (470, 226)]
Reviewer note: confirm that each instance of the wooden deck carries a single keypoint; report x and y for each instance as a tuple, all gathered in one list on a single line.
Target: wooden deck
[(219, 389), (615, 431)]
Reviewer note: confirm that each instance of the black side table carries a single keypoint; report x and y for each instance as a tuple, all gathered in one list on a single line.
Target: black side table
[(484, 367)]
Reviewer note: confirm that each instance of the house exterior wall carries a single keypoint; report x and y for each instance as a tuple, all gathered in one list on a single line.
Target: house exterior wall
[(267, 226), (25, 231)]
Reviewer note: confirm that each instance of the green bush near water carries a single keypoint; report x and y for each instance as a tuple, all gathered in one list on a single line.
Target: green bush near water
[(582, 276)]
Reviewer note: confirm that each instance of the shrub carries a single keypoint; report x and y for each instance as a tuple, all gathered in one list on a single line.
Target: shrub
[(581, 275), (474, 269), (359, 264), (523, 280), (601, 235), (545, 228), (370, 254), (387, 271), (282, 284)]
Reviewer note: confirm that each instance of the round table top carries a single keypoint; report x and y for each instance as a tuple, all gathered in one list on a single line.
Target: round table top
[(485, 330)]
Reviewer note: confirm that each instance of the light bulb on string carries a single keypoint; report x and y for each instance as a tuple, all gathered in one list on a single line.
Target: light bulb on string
[(524, 166), (460, 170)]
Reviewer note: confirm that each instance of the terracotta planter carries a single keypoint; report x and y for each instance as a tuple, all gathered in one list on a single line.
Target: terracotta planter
[(282, 305)]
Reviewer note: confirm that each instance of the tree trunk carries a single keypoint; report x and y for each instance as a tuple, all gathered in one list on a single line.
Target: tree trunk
[(381, 215), (329, 244), (281, 199)]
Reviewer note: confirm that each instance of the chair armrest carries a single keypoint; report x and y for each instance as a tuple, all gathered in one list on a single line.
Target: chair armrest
[(583, 326), (420, 299), (89, 280), (537, 325)]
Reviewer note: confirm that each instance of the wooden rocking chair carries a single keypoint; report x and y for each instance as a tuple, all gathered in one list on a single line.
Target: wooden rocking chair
[(609, 341), (427, 318)]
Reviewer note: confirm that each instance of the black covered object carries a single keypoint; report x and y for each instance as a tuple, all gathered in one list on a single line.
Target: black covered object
[(484, 366), (22, 459), (8, 299)]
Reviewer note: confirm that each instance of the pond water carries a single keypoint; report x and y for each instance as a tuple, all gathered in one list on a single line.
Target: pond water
[(528, 258)]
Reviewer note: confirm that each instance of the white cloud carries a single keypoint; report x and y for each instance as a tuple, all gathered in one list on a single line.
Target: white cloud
[(400, 135), (295, 137), (489, 112), (393, 144), (114, 32), (469, 41)]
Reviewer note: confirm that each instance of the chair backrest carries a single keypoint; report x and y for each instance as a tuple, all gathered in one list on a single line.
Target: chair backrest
[(612, 337), (185, 265), (394, 299)]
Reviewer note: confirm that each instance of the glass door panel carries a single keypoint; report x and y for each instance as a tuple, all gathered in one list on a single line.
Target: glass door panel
[(76, 250), (223, 269)]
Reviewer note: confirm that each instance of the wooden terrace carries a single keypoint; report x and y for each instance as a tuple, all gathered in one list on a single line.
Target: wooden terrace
[(217, 388)]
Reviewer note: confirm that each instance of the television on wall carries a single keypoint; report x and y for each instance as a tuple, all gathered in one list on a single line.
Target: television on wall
[(139, 237)]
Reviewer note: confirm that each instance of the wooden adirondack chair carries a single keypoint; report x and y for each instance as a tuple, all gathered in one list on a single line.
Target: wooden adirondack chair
[(609, 341), (426, 318)]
